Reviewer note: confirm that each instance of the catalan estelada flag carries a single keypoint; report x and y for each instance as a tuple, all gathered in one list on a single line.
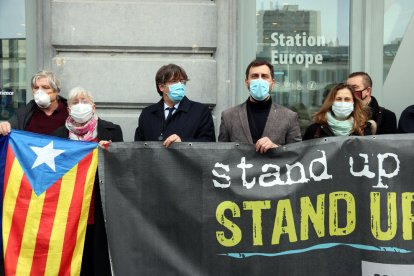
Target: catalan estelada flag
[(47, 184)]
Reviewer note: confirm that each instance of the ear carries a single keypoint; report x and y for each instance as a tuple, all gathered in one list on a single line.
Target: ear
[(163, 88), (369, 89), (246, 81), (272, 84), (94, 107)]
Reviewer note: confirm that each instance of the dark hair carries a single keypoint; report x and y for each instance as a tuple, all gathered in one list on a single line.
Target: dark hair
[(260, 62), (367, 79), (359, 113), (169, 72)]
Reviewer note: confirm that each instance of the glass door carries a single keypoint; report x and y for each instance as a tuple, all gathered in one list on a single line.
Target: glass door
[(308, 44)]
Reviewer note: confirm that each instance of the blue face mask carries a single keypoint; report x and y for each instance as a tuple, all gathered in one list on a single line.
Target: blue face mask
[(176, 92), (259, 89)]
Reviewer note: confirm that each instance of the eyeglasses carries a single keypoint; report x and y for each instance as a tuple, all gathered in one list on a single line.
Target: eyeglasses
[(175, 81)]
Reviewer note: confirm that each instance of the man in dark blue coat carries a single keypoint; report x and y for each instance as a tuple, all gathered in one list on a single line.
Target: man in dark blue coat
[(174, 118)]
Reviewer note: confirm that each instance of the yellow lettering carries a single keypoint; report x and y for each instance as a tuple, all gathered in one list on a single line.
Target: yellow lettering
[(376, 216), (232, 227), (407, 215), (256, 208), (334, 229), (317, 217), (284, 212)]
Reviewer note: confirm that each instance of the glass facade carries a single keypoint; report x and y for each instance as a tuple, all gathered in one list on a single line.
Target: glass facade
[(397, 16), (308, 44), (12, 57)]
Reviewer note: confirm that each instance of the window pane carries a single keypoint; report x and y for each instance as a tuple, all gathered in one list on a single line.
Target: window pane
[(308, 44), (12, 57), (397, 15)]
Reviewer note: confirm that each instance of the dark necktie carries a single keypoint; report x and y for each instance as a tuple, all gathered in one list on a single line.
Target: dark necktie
[(170, 112)]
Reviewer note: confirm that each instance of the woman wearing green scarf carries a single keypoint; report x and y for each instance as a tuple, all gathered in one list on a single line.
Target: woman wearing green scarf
[(342, 114)]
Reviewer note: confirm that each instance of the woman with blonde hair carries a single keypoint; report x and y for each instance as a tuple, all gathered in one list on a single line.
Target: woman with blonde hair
[(342, 114), (83, 124)]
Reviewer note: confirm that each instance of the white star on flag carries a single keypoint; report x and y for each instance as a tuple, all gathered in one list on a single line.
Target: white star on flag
[(46, 155)]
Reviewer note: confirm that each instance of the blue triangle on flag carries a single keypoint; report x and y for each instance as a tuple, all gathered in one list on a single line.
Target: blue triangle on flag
[(45, 159)]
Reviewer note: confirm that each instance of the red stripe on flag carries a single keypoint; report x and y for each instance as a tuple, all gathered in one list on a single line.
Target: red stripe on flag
[(45, 229), (74, 215), (9, 163), (17, 227)]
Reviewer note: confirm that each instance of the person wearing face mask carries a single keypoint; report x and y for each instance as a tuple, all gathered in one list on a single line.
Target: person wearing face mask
[(258, 120), (45, 113), (341, 114), (385, 119), (83, 124), (174, 118)]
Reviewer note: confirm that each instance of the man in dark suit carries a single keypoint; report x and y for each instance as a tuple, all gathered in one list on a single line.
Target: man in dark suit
[(174, 118), (385, 119), (259, 121)]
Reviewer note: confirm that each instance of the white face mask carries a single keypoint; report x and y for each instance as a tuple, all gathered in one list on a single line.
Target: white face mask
[(342, 110), (81, 112), (42, 99)]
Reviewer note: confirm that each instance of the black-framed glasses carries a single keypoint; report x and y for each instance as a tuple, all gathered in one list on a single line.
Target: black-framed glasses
[(175, 81)]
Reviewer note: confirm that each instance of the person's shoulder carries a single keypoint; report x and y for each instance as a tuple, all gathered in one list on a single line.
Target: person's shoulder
[(387, 111), (284, 109), (234, 109), (382, 109), (29, 106), (314, 126), (153, 107), (63, 100), (311, 131), (61, 131), (193, 104), (107, 124), (408, 110), (406, 122)]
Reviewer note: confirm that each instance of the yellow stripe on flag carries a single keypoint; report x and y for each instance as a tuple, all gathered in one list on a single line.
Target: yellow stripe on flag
[(59, 226), (24, 264), (10, 198), (90, 180)]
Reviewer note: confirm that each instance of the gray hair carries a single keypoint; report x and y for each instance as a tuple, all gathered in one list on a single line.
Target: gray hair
[(53, 81), (79, 91)]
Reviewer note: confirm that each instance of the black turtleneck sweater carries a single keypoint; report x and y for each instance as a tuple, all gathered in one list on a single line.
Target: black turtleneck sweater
[(257, 113)]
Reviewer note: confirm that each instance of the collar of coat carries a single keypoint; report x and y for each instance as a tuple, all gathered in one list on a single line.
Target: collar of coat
[(184, 106)]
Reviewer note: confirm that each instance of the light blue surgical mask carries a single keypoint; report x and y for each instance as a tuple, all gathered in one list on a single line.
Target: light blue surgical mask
[(176, 92), (342, 110), (259, 89)]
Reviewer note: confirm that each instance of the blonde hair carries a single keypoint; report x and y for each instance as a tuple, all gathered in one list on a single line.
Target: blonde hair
[(77, 92), (53, 81)]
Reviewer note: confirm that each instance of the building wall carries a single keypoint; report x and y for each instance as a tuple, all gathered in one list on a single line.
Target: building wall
[(114, 48)]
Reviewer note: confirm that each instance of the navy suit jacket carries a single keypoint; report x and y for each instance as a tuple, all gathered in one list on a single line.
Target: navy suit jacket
[(192, 121)]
